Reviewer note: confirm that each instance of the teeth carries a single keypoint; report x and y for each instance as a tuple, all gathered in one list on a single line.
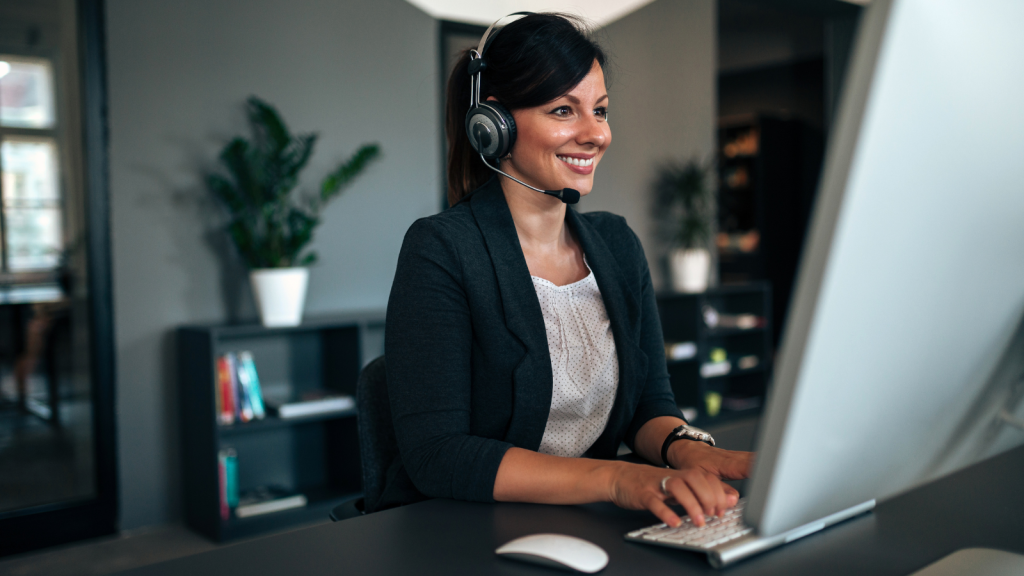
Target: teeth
[(576, 161)]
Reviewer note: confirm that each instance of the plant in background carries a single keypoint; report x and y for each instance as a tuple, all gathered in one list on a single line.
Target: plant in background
[(684, 211), (271, 222), (684, 204)]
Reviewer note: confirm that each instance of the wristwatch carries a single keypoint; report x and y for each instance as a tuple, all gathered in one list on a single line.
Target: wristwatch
[(684, 432)]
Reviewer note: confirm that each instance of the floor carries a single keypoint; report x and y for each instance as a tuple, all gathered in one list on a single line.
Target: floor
[(41, 463), (133, 549)]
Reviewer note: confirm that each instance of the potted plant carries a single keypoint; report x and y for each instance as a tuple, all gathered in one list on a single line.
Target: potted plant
[(684, 210), (270, 222)]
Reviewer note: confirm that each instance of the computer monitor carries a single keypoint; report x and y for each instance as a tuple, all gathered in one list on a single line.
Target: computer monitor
[(903, 354)]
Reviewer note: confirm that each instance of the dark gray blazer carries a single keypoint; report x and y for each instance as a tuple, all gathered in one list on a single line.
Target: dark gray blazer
[(468, 370)]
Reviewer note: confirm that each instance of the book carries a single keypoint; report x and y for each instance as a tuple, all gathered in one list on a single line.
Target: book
[(250, 381), (680, 350), (267, 499), (243, 405), (227, 404), (239, 396), (311, 403), (712, 369), (715, 319), (738, 404), (227, 471), (748, 362)]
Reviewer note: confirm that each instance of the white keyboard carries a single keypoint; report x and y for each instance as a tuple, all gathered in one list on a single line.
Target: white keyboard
[(728, 539), (716, 531)]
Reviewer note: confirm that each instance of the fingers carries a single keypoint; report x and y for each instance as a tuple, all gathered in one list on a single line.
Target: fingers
[(662, 511), (732, 495), (684, 496), (709, 490), (733, 465)]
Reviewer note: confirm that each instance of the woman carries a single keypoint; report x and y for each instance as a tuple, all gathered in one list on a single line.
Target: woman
[(523, 339)]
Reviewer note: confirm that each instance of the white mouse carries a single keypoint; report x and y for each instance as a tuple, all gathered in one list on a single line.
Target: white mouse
[(557, 551)]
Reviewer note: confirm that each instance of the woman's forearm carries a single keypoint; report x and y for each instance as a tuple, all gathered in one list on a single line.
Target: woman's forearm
[(527, 476), (652, 435)]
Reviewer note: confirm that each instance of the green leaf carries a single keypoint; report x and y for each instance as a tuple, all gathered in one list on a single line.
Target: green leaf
[(242, 235), (236, 156), (684, 203), (227, 193), (347, 171), (267, 123), (270, 223), (309, 259)]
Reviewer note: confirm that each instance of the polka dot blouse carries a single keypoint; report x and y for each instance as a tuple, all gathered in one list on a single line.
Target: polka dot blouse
[(583, 362)]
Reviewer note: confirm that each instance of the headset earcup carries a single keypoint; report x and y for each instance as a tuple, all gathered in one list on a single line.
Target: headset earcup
[(510, 121), (491, 129)]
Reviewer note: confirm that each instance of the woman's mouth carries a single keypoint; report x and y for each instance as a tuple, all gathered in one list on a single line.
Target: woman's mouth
[(576, 161), (578, 165)]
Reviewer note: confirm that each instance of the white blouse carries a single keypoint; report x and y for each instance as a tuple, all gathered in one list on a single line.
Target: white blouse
[(583, 362)]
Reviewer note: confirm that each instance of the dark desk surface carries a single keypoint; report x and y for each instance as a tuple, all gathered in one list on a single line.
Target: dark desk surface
[(980, 506)]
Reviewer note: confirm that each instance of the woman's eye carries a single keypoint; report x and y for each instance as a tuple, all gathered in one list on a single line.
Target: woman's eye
[(562, 111), (601, 113)]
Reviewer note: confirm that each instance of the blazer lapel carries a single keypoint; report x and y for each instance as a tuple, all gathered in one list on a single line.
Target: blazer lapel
[(532, 378), (624, 311)]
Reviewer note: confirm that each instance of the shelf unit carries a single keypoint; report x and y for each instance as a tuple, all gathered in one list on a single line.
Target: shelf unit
[(682, 320), (768, 178), (315, 455)]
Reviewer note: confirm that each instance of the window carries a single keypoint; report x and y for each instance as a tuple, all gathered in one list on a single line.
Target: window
[(31, 230)]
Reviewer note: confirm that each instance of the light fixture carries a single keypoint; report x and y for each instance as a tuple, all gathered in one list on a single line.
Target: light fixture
[(4, 68), (598, 12)]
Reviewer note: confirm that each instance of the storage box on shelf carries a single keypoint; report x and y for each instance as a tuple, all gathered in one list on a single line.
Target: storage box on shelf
[(719, 350), (316, 456)]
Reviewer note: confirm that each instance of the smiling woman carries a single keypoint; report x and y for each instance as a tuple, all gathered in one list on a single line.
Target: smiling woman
[(534, 69), (523, 339)]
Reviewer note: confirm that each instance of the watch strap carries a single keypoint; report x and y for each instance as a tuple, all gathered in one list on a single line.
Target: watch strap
[(672, 437), (683, 432)]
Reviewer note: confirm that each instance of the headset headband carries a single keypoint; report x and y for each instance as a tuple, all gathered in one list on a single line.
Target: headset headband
[(476, 59)]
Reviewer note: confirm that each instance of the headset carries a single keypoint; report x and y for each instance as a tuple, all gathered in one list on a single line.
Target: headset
[(490, 126)]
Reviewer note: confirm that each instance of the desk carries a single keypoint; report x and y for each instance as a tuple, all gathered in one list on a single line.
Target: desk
[(979, 506)]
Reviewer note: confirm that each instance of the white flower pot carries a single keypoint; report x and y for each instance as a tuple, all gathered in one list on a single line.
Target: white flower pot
[(690, 268), (280, 294)]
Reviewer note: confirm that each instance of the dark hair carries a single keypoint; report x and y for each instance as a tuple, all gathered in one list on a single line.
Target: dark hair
[(535, 59)]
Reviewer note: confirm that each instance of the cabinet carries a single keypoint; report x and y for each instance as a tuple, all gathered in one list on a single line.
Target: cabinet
[(317, 456), (719, 349)]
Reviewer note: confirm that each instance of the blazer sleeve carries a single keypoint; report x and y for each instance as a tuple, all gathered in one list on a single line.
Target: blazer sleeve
[(428, 341), (657, 398)]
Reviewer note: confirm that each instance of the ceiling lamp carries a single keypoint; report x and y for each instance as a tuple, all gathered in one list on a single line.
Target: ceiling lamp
[(598, 12)]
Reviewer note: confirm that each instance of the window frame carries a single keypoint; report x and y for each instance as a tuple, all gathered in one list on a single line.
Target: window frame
[(57, 135)]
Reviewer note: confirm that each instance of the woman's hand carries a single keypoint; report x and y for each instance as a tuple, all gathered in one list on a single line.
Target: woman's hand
[(700, 492), (725, 464)]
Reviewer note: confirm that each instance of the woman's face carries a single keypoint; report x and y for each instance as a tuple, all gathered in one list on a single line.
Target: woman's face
[(559, 144)]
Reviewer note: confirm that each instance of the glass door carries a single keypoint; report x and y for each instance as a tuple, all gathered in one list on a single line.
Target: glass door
[(57, 479)]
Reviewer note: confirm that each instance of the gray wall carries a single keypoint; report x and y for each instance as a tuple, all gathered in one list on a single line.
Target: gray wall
[(661, 107), (178, 74)]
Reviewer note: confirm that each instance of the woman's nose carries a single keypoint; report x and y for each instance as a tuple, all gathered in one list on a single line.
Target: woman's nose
[(594, 132)]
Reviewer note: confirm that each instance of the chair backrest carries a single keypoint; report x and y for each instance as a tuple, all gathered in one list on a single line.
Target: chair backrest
[(377, 445)]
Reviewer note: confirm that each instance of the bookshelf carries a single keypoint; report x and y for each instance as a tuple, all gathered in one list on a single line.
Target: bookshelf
[(698, 380), (317, 455), (768, 177)]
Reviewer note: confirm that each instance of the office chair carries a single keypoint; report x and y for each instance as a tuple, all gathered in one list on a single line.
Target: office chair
[(377, 444)]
